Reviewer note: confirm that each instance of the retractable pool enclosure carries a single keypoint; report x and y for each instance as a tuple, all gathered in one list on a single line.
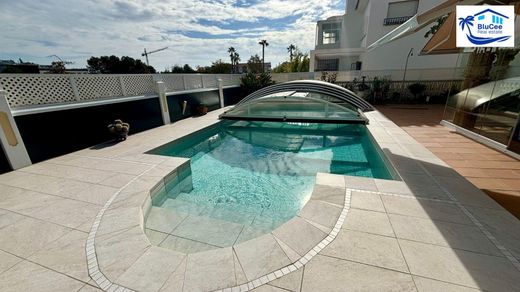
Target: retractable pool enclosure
[(301, 101)]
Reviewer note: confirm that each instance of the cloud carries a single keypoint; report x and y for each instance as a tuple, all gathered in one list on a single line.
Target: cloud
[(196, 32)]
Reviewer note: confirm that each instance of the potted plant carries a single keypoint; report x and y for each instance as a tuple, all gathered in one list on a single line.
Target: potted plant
[(201, 109)]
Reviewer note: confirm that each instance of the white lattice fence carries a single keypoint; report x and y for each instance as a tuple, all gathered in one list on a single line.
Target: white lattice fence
[(193, 81), (98, 86), (137, 84), (26, 90), (209, 81), (173, 82)]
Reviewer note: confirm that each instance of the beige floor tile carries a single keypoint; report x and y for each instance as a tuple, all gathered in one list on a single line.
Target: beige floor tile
[(367, 201), (185, 245), (460, 267), (268, 288), (119, 219), (360, 183), (155, 237), (89, 288), (329, 179), (65, 255), (119, 250), (208, 230), (71, 172), (329, 194), (151, 270), (425, 209), (392, 187), (27, 276), (78, 190), (66, 212), (7, 261), (320, 212), (164, 220), (368, 221), (429, 285), (7, 218), (504, 226), (117, 181), (175, 282), (329, 274), (210, 270), (451, 235), (367, 248), (291, 282), (260, 256), (28, 236), (299, 235)]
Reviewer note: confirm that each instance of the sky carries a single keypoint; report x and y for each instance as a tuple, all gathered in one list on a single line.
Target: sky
[(196, 32)]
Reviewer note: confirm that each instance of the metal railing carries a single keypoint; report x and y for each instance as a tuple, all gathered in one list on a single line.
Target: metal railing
[(396, 20)]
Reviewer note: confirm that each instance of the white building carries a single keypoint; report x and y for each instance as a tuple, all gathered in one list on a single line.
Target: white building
[(342, 41)]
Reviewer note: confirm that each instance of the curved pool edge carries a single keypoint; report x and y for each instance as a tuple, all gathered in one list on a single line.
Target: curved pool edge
[(118, 232)]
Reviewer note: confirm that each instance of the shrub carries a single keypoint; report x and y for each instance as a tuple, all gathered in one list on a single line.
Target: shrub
[(416, 89), (251, 82)]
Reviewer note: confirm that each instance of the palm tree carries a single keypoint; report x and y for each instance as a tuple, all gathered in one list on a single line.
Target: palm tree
[(235, 59), (264, 44), (468, 21), (232, 51), (290, 49)]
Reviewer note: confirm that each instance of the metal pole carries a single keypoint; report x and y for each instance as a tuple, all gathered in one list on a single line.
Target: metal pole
[(410, 53), (146, 55)]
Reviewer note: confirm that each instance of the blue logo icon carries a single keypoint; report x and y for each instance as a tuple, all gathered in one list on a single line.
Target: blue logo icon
[(489, 22)]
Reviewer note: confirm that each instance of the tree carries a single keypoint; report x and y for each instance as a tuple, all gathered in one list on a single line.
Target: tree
[(232, 52), (299, 63), (115, 65), (234, 62), (254, 64), (219, 67), (291, 48), (57, 67), (251, 82), (439, 22), (264, 44)]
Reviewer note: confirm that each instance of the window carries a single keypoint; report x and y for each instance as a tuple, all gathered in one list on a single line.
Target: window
[(327, 65), (331, 32), (400, 12), (402, 9)]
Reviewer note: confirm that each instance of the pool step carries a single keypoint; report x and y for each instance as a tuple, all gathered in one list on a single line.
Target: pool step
[(179, 204), (184, 206)]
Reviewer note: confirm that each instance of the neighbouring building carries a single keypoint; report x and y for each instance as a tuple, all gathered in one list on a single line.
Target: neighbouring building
[(342, 41), (244, 68)]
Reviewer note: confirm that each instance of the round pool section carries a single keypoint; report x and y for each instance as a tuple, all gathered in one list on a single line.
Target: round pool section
[(246, 178)]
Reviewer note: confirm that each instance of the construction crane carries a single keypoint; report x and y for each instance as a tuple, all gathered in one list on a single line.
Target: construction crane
[(145, 54), (61, 60)]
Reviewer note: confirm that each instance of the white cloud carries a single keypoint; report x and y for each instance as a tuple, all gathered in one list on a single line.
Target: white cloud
[(196, 32)]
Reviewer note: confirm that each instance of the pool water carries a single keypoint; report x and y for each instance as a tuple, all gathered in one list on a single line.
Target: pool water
[(260, 174)]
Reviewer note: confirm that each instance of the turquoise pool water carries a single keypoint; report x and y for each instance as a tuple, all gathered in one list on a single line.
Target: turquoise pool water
[(260, 174)]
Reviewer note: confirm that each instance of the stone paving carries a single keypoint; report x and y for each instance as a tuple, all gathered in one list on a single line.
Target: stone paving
[(492, 171), (433, 231)]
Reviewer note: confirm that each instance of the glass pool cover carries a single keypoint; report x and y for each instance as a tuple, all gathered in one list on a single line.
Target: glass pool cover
[(260, 174)]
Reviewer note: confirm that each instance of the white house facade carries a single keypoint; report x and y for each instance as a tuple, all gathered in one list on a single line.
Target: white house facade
[(342, 41)]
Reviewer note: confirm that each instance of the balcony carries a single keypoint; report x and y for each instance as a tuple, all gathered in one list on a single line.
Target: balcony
[(396, 20)]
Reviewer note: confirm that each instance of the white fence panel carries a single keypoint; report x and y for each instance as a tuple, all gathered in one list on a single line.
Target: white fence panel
[(138, 84), (98, 86), (30, 89)]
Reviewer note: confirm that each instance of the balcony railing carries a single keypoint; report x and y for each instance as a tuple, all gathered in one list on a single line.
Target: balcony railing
[(396, 20)]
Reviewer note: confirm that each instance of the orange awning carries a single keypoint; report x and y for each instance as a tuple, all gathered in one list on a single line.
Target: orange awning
[(444, 40)]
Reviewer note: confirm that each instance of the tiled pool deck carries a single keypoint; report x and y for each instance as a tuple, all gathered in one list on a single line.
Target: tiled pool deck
[(82, 214)]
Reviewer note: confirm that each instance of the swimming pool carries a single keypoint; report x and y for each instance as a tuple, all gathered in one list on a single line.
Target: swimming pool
[(260, 174)]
